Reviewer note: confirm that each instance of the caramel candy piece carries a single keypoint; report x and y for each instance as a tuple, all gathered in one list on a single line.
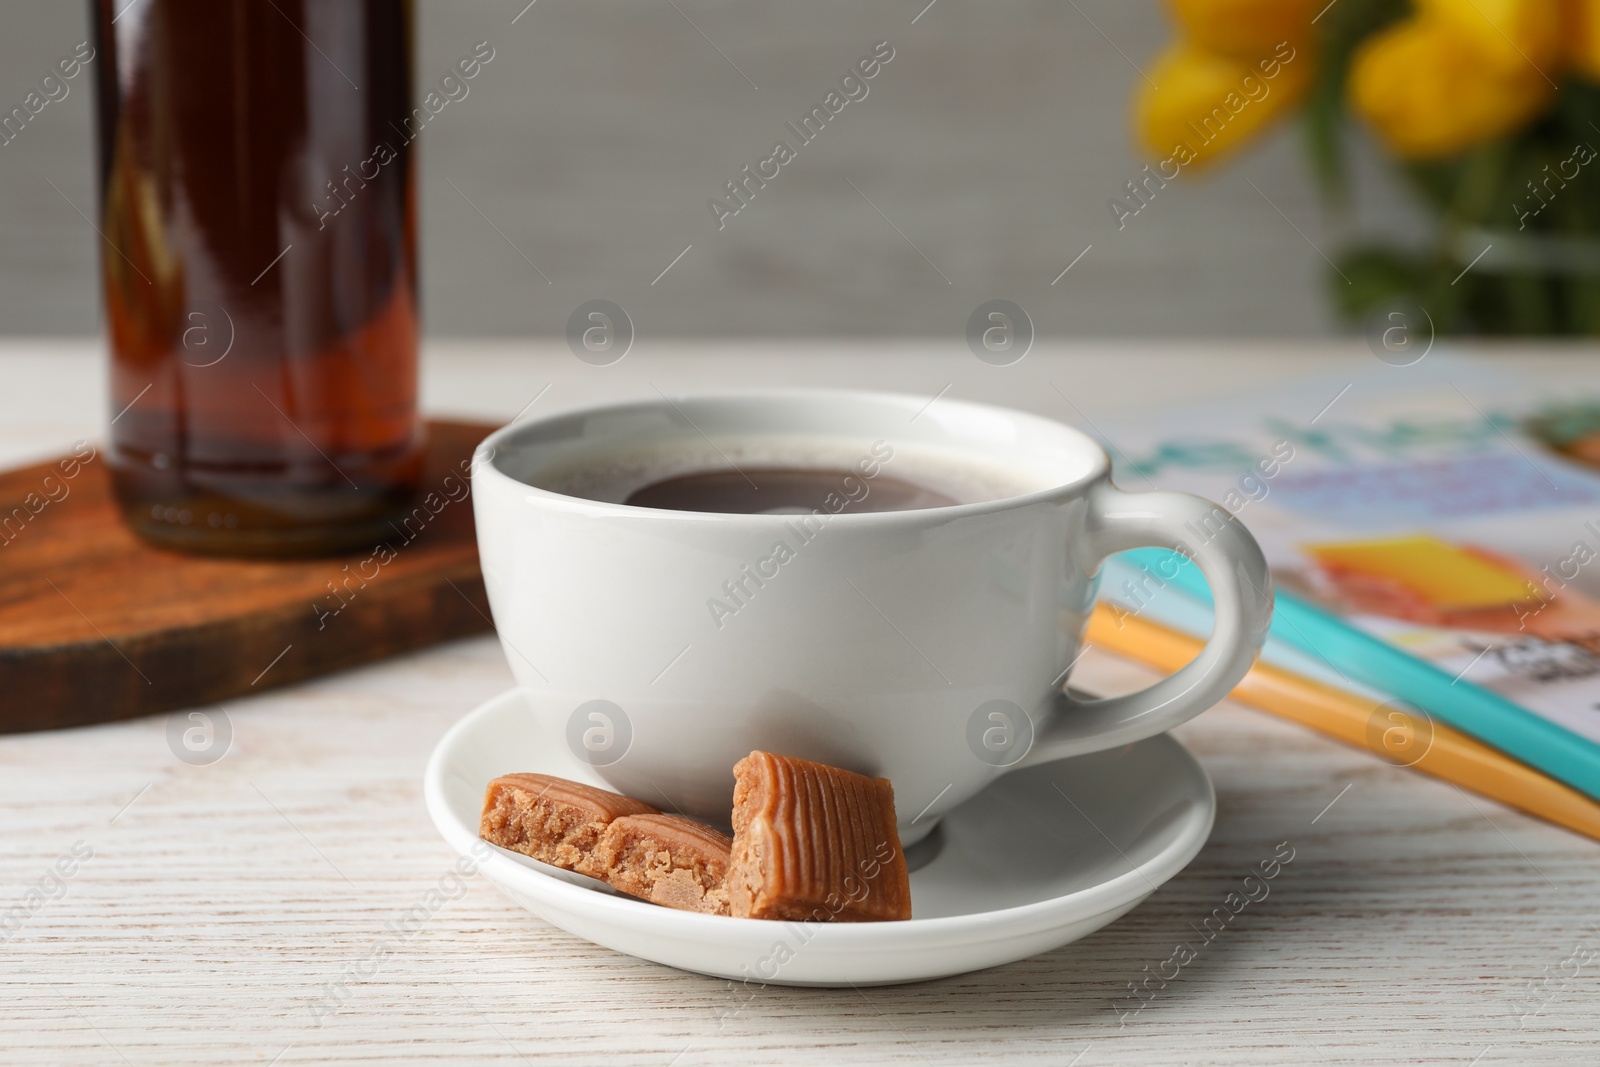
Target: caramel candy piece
[(551, 819), (668, 860), (814, 842)]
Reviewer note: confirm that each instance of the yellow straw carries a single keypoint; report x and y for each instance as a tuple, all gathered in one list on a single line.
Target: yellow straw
[(1452, 756)]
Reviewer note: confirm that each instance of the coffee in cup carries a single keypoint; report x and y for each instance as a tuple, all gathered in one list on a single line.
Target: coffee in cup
[(904, 598)]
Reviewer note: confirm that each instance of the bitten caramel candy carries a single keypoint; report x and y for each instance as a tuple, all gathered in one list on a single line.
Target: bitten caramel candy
[(667, 860), (551, 819), (814, 842)]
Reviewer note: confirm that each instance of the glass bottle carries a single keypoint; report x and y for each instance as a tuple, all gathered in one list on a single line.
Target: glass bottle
[(258, 205)]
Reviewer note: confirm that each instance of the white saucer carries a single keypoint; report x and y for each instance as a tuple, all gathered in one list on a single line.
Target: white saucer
[(1043, 857)]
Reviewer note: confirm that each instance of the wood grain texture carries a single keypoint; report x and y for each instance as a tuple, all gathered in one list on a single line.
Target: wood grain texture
[(97, 625), (226, 904)]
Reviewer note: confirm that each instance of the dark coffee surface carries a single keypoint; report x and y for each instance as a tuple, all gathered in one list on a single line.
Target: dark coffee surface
[(785, 490)]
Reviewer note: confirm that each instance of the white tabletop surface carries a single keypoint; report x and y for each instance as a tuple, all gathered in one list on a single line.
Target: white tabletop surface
[(1415, 923)]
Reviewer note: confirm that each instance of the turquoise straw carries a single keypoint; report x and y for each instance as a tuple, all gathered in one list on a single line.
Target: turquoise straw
[(1487, 716)]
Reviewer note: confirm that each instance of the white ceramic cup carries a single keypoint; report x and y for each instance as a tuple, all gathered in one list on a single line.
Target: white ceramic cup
[(927, 646)]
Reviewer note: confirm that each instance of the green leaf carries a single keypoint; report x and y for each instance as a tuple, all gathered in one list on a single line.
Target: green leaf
[(1341, 28), (1377, 276)]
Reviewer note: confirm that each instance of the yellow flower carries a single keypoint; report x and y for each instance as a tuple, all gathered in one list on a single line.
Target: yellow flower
[(1245, 29), (1430, 91), (1204, 105), (1510, 35), (1582, 37)]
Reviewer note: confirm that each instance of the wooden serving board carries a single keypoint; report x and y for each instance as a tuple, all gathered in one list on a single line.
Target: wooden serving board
[(97, 625)]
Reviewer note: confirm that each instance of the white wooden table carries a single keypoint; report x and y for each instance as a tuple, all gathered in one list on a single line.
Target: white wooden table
[(222, 901)]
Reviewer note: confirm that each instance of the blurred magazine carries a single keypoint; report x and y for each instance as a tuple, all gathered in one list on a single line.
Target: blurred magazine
[(1448, 511)]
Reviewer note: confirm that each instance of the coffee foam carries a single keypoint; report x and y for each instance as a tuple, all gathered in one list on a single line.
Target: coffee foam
[(614, 476)]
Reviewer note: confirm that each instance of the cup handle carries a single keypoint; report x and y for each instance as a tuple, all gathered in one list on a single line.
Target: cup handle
[(1241, 588)]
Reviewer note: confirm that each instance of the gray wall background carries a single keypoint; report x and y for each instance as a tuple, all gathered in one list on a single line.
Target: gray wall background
[(992, 142)]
